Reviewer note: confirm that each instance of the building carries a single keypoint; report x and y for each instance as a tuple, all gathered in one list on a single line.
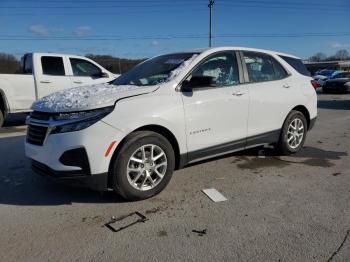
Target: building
[(334, 65)]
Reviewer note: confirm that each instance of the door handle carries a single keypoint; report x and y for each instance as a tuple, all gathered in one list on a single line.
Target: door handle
[(77, 82), (45, 81), (286, 86), (238, 93)]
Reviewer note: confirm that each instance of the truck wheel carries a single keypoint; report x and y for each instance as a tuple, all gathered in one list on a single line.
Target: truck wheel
[(1, 118), (293, 133), (143, 166)]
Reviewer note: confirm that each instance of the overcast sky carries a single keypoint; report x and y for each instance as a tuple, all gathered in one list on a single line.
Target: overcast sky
[(139, 28)]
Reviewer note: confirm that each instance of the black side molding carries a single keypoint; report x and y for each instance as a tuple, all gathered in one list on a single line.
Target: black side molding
[(241, 144)]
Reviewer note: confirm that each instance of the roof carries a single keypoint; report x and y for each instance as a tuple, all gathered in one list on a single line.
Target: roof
[(223, 48)]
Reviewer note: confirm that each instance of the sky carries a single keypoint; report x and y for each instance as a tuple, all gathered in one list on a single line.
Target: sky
[(140, 28)]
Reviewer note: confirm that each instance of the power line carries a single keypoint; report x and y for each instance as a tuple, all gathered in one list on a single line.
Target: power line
[(169, 37), (172, 10), (153, 3)]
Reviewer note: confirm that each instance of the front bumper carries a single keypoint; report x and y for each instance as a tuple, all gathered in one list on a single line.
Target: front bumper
[(77, 158), (98, 182)]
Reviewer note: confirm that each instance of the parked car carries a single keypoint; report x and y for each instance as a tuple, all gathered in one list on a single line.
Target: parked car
[(322, 76), (45, 73), (340, 83), (167, 112)]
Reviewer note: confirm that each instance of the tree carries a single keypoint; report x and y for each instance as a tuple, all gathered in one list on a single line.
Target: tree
[(8, 64), (318, 57), (114, 64), (342, 54)]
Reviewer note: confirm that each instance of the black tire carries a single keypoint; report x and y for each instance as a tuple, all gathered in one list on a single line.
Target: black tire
[(119, 174), (283, 147), (1, 119), (325, 90)]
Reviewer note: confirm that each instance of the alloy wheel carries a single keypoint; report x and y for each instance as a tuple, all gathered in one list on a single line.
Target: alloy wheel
[(295, 133), (146, 167)]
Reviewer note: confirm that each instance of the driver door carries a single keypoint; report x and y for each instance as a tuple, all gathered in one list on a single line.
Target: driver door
[(216, 113)]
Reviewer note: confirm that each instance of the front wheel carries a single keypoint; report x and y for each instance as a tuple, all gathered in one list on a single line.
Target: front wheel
[(293, 133), (144, 166)]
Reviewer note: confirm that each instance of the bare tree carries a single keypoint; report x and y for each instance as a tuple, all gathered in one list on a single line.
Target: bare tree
[(8, 64), (342, 54), (318, 57), (115, 64)]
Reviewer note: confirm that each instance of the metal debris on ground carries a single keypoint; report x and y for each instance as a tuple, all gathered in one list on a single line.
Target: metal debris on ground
[(134, 217), (200, 232), (214, 195)]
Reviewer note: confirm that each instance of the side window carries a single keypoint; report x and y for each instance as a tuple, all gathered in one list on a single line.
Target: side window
[(297, 64), (52, 65), (263, 67), (26, 65), (221, 68), (82, 67)]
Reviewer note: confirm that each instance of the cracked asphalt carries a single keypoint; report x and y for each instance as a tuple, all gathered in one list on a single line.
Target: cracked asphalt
[(294, 208)]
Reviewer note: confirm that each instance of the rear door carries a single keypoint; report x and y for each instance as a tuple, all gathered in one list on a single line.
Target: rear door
[(51, 75), (84, 72), (271, 93), (216, 115)]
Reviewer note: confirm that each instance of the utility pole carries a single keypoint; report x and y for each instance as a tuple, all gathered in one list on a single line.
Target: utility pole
[(211, 3)]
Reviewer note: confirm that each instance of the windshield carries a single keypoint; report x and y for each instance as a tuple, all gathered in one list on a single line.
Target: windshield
[(156, 70)]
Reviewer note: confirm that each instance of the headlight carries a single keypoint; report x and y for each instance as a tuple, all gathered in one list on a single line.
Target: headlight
[(69, 122)]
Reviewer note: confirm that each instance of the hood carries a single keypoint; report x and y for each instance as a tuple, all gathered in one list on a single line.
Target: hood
[(87, 97)]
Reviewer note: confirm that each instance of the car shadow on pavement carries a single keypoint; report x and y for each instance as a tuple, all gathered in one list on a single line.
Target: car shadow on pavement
[(19, 185), (334, 104), (266, 156)]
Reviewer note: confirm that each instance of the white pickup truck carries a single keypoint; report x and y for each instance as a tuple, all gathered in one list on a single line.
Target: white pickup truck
[(44, 73)]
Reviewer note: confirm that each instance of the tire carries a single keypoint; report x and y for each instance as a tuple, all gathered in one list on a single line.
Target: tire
[(294, 118), (325, 90), (128, 182), (1, 118)]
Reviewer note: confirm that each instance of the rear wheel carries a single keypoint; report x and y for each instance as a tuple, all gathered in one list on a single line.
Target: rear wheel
[(293, 133), (144, 166)]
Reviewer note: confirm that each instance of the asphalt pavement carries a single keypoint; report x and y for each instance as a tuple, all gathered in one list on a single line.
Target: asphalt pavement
[(294, 208)]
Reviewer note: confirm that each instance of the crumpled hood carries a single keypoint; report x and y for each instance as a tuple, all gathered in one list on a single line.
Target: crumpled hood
[(87, 97)]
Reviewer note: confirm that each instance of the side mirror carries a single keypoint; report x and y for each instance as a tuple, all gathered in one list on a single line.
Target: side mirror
[(104, 75), (197, 82)]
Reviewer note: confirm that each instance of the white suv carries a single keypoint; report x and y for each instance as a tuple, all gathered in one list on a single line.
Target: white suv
[(169, 111)]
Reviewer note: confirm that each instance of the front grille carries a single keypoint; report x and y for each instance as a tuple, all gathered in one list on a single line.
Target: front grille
[(36, 134)]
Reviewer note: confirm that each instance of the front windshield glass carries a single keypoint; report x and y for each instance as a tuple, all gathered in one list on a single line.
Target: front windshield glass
[(154, 71)]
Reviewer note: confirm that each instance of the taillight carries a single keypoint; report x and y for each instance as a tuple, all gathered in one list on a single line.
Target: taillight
[(314, 83)]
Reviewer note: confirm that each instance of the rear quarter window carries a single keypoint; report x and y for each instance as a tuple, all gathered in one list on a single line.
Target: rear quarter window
[(297, 64)]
